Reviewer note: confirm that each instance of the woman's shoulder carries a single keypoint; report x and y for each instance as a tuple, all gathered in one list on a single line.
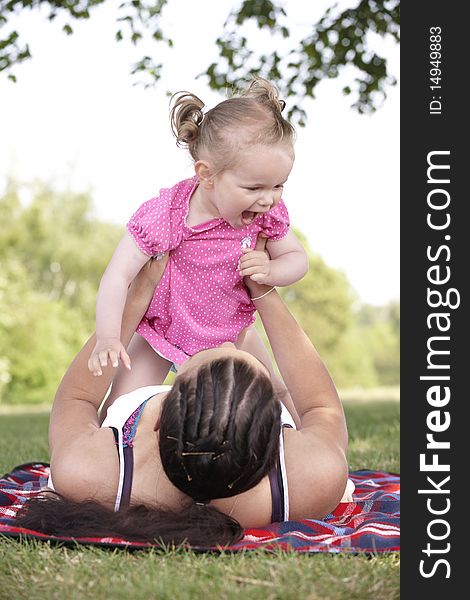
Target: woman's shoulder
[(317, 473), (252, 508), (316, 479), (88, 468)]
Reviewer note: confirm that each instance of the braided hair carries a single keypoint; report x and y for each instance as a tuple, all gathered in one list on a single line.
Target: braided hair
[(219, 429)]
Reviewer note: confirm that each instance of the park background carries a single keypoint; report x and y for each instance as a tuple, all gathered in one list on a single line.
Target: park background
[(81, 147), (83, 143)]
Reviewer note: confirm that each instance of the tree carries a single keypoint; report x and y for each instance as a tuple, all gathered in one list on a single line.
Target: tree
[(352, 364), (380, 329), (38, 337), (360, 344), (52, 256), (324, 304), (338, 39), (65, 249)]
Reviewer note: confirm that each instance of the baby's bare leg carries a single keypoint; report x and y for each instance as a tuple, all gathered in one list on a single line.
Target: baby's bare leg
[(148, 368), (250, 341)]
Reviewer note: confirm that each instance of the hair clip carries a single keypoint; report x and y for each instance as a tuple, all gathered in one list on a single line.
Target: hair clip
[(196, 453), (224, 443), (170, 437), (230, 485), (186, 471), (219, 455)]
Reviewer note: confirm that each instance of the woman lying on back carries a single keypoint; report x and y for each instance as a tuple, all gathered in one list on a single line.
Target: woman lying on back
[(199, 461)]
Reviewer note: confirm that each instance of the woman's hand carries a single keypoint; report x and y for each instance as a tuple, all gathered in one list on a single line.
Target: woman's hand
[(143, 286), (255, 265), (254, 287), (140, 294), (148, 278)]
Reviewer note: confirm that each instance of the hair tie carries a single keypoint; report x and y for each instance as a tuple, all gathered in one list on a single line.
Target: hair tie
[(282, 104), (199, 118)]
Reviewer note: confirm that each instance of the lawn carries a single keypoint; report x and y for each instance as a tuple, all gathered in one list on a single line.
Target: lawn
[(37, 571)]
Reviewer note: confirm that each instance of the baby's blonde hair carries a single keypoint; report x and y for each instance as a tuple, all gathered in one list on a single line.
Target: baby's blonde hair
[(250, 118)]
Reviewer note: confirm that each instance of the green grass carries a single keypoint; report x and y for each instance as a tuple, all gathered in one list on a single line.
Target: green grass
[(36, 571), (374, 433), (23, 438)]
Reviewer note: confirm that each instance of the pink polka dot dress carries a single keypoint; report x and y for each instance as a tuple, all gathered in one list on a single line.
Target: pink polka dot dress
[(201, 300)]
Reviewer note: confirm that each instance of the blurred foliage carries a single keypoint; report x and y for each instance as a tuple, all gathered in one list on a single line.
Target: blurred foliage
[(381, 329), (359, 344), (338, 39), (322, 302), (38, 336), (52, 255)]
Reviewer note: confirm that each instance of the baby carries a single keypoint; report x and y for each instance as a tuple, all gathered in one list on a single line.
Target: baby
[(243, 154)]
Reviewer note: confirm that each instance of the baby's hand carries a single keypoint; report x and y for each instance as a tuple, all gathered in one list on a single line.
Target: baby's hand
[(255, 264), (104, 348)]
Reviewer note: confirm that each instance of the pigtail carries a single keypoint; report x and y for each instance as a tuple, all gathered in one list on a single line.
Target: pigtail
[(265, 93), (185, 117)]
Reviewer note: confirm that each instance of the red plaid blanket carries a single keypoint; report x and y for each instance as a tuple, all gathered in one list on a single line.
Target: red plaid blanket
[(369, 524)]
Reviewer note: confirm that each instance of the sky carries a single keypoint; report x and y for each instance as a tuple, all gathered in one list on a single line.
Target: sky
[(74, 118)]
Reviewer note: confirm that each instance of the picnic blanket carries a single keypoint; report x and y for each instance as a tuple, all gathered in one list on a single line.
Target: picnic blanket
[(368, 524)]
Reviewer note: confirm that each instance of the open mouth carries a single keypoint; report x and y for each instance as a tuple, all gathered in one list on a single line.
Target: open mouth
[(248, 216)]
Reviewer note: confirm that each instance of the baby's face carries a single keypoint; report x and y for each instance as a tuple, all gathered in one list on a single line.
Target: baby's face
[(254, 185)]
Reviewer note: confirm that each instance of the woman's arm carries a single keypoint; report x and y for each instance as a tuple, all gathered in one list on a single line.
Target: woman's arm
[(124, 265), (287, 262), (316, 453), (304, 373), (250, 341), (80, 394)]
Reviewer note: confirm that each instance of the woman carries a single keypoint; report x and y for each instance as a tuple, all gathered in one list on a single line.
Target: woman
[(204, 459)]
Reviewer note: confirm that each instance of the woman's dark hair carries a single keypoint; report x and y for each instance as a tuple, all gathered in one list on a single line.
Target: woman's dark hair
[(219, 430), (219, 436), (194, 524)]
